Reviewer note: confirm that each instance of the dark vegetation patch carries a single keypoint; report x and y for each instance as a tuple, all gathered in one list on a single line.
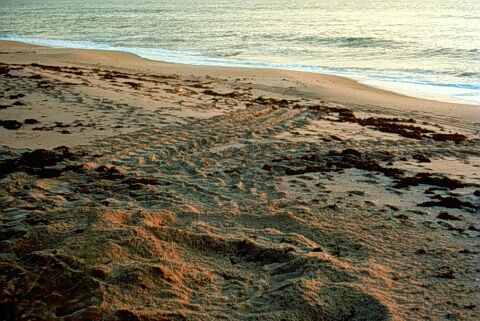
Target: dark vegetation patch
[(429, 179), (448, 202), (4, 70), (232, 94), (31, 121), (448, 217), (16, 96), (338, 161), (405, 127), (133, 85), (11, 124), (251, 252), (40, 162)]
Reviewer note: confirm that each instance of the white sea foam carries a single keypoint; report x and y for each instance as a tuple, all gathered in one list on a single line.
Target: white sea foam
[(460, 92)]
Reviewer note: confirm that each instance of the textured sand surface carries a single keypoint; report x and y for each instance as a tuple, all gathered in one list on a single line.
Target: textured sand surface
[(194, 193)]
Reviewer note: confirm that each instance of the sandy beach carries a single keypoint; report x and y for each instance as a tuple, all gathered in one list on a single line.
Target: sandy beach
[(133, 189)]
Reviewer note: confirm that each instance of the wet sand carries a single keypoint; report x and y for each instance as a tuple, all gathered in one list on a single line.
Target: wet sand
[(139, 190)]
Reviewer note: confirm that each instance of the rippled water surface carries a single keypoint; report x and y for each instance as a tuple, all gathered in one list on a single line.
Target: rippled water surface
[(418, 45)]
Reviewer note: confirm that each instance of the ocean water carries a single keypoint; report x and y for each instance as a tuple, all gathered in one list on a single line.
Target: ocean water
[(423, 47)]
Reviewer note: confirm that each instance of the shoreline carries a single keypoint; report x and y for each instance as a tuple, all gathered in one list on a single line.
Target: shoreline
[(139, 190), (390, 86), (312, 85)]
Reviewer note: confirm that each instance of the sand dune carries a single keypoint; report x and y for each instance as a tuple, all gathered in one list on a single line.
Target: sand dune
[(195, 193)]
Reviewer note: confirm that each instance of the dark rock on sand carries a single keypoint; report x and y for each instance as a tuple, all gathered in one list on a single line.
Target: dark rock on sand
[(31, 121), (139, 183), (306, 170), (20, 95), (272, 101), (349, 161), (43, 128), (457, 138), (446, 275), (254, 253), (351, 151), (429, 179), (447, 216), (126, 315), (421, 158), (395, 126), (18, 103), (110, 173), (267, 167), (66, 153), (11, 124), (432, 190), (59, 124), (338, 161), (4, 70), (38, 162), (448, 202), (336, 138), (7, 166), (133, 85), (400, 126), (214, 93), (344, 114), (39, 158), (311, 158), (345, 152)]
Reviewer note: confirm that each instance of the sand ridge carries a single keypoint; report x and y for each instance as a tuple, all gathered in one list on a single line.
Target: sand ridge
[(198, 197)]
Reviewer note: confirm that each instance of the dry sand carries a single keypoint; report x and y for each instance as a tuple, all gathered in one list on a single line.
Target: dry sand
[(201, 193)]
